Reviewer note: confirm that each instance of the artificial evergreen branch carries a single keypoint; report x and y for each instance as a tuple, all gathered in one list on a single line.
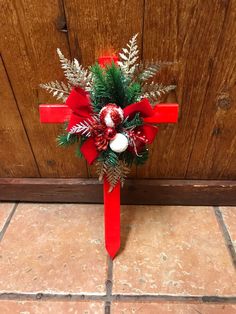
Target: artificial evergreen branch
[(66, 139), (124, 171), (133, 93), (74, 72), (154, 91), (109, 86), (101, 169), (117, 174), (128, 57), (59, 90), (135, 122), (78, 152), (111, 159), (116, 85), (113, 174), (84, 127), (99, 91), (128, 158), (142, 157)]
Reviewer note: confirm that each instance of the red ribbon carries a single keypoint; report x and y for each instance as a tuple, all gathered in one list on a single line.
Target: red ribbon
[(78, 101)]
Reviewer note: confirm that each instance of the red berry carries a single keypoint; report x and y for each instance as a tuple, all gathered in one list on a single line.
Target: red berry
[(109, 133)]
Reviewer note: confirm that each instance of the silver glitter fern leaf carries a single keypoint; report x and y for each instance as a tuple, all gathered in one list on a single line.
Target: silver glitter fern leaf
[(128, 57), (84, 127), (75, 72), (57, 89), (150, 70), (154, 91)]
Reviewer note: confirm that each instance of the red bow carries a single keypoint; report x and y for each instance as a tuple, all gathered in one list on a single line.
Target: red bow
[(79, 102)]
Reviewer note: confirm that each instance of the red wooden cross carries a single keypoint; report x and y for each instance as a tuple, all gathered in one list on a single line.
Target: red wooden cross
[(59, 113)]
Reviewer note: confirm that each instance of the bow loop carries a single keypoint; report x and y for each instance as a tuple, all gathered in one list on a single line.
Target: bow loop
[(143, 107), (78, 101)]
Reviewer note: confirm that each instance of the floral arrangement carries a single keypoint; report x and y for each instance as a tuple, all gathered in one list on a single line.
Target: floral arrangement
[(112, 105)]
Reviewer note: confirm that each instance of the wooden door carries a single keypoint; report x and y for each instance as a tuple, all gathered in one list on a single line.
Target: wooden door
[(199, 37)]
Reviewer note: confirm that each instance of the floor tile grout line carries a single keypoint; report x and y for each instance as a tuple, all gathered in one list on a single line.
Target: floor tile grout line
[(4, 229), (174, 298), (117, 297), (109, 283), (51, 296), (226, 234)]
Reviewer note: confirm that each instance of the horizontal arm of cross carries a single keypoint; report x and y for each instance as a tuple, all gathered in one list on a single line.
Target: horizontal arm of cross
[(59, 113)]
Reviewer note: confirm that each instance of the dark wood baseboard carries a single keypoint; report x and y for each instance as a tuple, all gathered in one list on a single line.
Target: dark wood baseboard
[(171, 192)]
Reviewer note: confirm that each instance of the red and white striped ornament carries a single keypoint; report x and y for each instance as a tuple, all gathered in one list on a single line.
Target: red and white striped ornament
[(111, 115)]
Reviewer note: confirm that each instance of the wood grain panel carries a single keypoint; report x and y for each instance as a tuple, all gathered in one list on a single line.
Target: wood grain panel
[(16, 158), (98, 27), (29, 39), (214, 152), (187, 32)]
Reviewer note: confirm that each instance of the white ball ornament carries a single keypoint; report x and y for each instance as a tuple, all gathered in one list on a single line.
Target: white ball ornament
[(119, 144)]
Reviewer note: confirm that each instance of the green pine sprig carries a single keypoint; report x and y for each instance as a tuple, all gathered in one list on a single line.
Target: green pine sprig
[(142, 157), (116, 85), (133, 93), (111, 86), (81, 140), (109, 157), (133, 123), (99, 90), (65, 139), (131, 158), (128, 157)]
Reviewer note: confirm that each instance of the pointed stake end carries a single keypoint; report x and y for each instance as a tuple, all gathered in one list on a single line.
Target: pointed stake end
[(112, 251)]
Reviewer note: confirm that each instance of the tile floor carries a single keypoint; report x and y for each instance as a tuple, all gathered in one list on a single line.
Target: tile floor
[(173, 259)]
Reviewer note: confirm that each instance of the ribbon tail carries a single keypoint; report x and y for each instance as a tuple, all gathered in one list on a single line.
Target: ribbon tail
[(112, 218), (164, 113), (89, 150)]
